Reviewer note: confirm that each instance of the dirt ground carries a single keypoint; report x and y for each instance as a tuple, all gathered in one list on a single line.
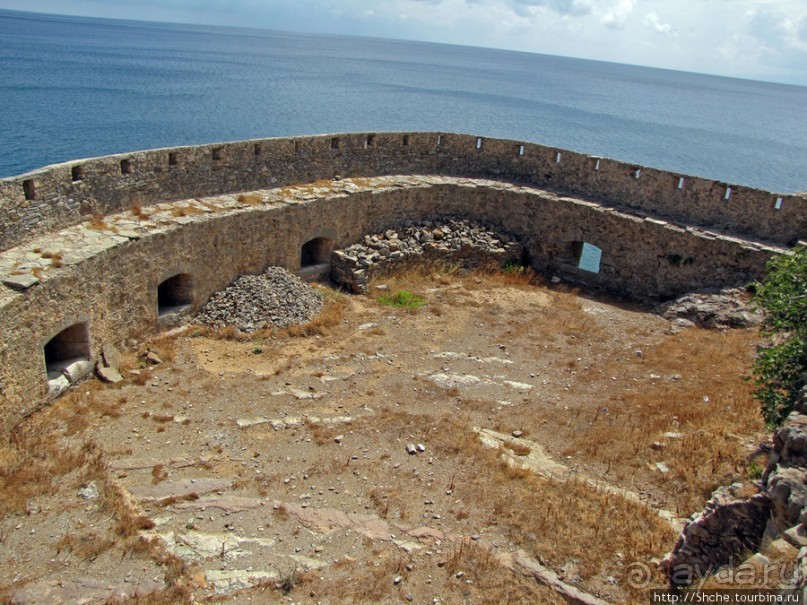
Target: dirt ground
[(569, 431)]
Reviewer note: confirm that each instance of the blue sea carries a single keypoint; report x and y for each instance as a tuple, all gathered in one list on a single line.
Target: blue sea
[(77, 87)]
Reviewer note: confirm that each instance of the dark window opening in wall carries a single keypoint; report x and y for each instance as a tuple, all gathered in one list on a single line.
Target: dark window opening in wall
[(173, 158), (334, 143), (77, 173), (678, 260), (29, 188), (405, 141), (67, 347), (588, 257), (216, 154), (370, 141), (126, 167), (297, 146), (316, 252), (257, 149), (175, 294)]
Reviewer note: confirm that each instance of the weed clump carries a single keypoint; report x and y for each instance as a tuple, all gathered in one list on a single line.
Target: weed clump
[(402, 299)]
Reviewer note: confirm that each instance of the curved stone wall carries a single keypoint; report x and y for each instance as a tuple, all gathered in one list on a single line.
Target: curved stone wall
[(83, 260), (106, 275), (64, 194)]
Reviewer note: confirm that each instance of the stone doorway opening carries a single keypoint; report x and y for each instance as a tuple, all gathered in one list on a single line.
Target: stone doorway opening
[(174, 300), (67, 357), (315, 258), (175, 294)]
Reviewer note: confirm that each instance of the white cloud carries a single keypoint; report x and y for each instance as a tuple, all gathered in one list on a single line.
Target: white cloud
[(563, 7), (616, 15), (653, 20)]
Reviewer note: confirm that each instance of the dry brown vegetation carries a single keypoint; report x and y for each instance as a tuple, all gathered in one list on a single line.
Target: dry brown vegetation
[(612, 394), (97, 223), (138, 212), (189, 210), (250, 199)]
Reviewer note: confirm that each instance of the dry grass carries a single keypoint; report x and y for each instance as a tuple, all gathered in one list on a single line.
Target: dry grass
[(85, 546), (165, 347), (55, 258), (705, 411), (33, 463), (491, 583), (250, 199), (185, 211), (368, 583), (306, 188), (560, 520), (390, 503), (334, 306), (320, 433), (99, 224), (138, 212)]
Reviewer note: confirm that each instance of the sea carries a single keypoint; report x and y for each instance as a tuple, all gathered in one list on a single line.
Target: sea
[(73, 87)]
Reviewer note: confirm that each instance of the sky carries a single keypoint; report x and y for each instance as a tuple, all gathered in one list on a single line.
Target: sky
[(756, 39)]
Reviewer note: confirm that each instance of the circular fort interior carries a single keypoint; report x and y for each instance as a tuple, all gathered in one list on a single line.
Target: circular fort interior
[(480, 405)]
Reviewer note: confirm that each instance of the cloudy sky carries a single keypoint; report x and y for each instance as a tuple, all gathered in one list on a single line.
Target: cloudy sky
[(758, 39)]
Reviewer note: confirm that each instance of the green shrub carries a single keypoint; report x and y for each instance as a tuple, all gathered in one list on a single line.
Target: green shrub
[(780, 370), (403, 299)]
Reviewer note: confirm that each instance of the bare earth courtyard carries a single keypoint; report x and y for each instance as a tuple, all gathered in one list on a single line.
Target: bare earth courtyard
[(469, 451)]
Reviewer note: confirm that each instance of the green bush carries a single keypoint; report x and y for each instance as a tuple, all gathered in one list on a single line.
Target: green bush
[(780, 370), (403, 299)]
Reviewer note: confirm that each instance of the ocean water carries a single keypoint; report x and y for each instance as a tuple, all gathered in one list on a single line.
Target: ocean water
[(77, 87)]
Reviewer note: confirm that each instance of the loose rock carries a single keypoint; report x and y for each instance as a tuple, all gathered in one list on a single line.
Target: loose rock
[(274, 298)]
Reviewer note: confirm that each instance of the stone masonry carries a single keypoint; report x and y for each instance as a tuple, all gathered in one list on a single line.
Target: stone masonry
[(102, 281), (98, 251), (451, 241)]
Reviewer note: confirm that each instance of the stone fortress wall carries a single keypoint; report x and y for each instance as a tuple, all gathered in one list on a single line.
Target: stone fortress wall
[(64, 194), (117, 277)]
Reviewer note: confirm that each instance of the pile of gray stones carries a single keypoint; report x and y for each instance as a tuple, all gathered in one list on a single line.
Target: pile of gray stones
[(253, 302), (465, 243)]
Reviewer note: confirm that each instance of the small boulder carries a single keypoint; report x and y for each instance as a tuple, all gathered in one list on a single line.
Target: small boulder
[(20, 282), (152, 358), (111, 356), (110, 375)]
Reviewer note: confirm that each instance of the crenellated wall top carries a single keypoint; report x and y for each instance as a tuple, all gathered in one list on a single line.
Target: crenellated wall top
[(64, 194)]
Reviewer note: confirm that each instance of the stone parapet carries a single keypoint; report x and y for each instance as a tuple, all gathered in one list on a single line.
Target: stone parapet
[(57, 196)]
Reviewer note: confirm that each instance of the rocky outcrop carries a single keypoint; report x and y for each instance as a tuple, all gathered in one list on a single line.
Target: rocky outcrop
[(725, 531), (465, 243), (730, 308), (731, 526)]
